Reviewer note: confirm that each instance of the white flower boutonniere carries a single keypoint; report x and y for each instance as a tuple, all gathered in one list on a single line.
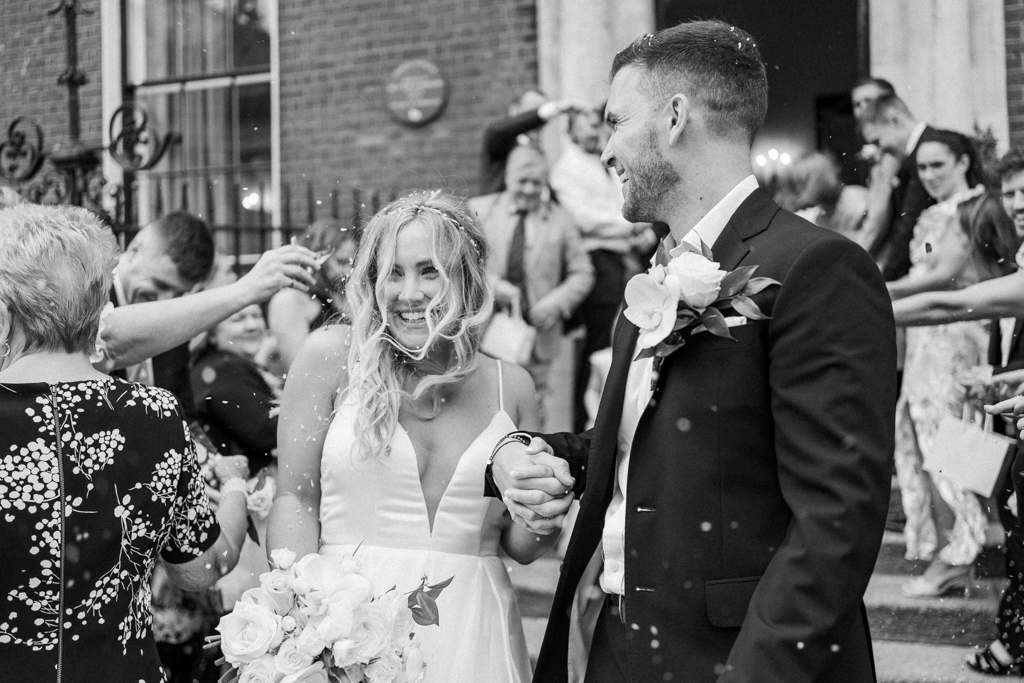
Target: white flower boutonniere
[(690, 290)]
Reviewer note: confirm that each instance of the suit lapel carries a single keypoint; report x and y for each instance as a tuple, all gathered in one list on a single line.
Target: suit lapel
[(604, 445), (751, 218)]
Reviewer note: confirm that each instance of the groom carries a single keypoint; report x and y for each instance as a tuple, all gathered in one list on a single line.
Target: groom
[(740, 490)]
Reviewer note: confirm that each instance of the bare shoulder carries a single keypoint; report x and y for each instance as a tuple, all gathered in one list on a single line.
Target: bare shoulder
[(328, 343), (520, 392), (323, 357)]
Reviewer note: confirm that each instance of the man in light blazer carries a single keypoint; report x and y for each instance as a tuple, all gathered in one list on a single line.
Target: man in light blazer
[(551, 273), (740, 490)]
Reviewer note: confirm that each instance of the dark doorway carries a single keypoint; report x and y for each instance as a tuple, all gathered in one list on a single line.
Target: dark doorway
[(814, 52)]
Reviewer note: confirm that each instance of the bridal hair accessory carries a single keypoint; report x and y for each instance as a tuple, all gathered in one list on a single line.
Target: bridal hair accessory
[(445, 216), (670, 301), (318, 619)]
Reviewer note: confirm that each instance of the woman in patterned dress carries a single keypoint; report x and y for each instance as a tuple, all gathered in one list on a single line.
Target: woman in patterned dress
[(965, 238), (98, 476)]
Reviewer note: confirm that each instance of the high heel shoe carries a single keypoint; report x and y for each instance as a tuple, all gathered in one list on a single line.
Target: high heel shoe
[(958, 576), (984, 661)]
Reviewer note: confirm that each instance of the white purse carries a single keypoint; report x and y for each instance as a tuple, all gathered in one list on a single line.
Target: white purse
[(968, 454), (508, 336)]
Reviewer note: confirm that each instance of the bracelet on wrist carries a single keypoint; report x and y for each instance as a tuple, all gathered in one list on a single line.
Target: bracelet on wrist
[(234, 484), (514, 437)]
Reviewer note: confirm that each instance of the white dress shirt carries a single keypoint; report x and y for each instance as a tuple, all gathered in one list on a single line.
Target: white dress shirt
[(638, 395), (915, 137)]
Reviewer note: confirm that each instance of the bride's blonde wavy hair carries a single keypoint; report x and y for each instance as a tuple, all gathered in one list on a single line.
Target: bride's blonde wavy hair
[(377, 367)]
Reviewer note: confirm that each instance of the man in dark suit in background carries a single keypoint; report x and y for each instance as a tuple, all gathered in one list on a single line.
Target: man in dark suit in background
[(740, 491), (888, 123)]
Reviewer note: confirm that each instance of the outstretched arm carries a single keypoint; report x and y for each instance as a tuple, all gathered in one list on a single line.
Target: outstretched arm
[(833, 381), (135, 332), (1002, 297), (306, 410)]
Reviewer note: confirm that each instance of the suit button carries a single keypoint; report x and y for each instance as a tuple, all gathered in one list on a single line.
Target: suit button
[(561, 566)]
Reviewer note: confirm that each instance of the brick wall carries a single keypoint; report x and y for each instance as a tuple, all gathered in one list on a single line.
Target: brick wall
[(32, 57), (335, 60), (1015, 69)]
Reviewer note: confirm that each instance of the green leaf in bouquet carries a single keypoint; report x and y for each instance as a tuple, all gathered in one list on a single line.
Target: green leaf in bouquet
[(664, 350), (734, 281), (250, 528), (757, 284), (435, 590), (424, 612), (746, 307), (715, 322), (685, 318)]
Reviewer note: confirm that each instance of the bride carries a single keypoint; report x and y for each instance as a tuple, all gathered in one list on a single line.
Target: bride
[(385, 431)]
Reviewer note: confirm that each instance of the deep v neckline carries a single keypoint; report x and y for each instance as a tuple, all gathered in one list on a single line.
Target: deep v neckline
[(432, 519)]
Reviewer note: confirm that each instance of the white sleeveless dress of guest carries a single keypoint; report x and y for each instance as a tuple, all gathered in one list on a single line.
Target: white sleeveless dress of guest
[(377, 505)]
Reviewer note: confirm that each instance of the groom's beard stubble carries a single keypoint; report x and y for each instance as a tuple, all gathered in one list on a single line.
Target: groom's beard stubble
[(650, 179)]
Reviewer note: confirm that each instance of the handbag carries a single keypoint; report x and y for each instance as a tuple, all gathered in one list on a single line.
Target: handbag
[(508, 336), (968, 454)]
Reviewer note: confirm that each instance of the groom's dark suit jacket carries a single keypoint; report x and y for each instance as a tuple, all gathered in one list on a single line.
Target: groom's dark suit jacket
[(759, 477)]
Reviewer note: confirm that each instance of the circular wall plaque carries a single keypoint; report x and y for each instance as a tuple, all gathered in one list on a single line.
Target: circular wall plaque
[(417, 92)]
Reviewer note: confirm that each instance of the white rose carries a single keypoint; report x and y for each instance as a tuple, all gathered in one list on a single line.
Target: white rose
[(314, 673), (310, 643), (325, 574), (400, 622), (415, 668), (370, 631), (384, 669), (700, 280), (248, 632), (279, 603), (336, 620), (290, 659), (259, 501), (278, 584), (350, 674), (261, 670), (282, 558), (343, 653), (651, 305)]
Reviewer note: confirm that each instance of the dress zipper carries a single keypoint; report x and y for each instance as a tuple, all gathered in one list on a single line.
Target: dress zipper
[(63, 540)]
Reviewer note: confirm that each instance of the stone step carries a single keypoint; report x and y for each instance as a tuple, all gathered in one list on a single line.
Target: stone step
[(898, 662), (949, 620), (990, 563)]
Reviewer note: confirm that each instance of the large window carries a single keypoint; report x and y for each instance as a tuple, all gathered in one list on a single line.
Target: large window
[(202, 69)]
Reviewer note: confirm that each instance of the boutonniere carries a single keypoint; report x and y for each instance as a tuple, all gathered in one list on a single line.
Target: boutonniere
[(670, 300)]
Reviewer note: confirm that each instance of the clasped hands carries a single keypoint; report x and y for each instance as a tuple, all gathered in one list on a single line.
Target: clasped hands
[(536, 485)]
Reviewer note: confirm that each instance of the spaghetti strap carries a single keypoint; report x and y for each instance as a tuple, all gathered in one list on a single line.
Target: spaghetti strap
[(501, 390)]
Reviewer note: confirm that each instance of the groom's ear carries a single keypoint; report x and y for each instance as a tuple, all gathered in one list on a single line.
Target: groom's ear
[(678, 117)]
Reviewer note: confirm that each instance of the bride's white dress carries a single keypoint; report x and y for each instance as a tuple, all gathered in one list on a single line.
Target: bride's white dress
[(378, 505)]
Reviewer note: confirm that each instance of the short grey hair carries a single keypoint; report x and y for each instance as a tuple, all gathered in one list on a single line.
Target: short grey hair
[(56, 265)]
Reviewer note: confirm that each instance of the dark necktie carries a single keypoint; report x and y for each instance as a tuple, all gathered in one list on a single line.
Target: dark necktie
[(515, 271)]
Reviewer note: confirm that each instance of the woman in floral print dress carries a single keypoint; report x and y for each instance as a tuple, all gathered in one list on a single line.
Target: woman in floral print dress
[(98, 476)]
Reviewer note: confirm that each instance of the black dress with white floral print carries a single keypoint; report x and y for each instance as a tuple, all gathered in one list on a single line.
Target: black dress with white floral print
[(97, 479)]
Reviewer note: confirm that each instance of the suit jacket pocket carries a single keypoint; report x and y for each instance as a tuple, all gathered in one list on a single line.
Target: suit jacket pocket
[(728, 599)]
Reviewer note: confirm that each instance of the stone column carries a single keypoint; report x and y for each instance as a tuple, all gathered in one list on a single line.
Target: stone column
[(947, 59), (576, 41)]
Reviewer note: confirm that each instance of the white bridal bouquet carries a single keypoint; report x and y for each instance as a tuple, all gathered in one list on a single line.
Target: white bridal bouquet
[(317, 620)]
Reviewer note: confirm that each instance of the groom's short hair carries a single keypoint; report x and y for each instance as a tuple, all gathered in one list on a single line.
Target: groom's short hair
[(716, 65)]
